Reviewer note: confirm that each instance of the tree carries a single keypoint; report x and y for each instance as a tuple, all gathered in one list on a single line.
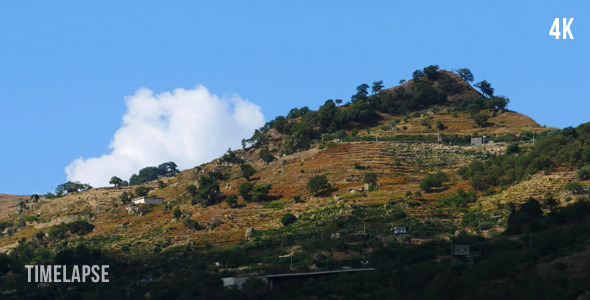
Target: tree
[(34, 198), (146, 174), (126, 197), (208, 189), (377, 86), (192, 190), (177, 213), (481, 119), (519, 221), (417, 74), (265, 155), (142, 191), (247, 171), (512, 148), (431, 72), (440, 125), (260, 192), (497, 103), (288, 219), (161, 184), (71, 187), (361, 93), (485, 87), (465, 74), (116, 181), (574, 187), (318, 185), (433, 181), (232, 158), (338, 101), (550, 201), (370, 178), (231, 200), (245, 190), (583, 173)]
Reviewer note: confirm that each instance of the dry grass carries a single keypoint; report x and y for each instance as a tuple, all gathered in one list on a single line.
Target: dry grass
[(399, 167)]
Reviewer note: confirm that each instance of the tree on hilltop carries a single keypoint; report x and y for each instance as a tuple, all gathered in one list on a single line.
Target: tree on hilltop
[(465, 74), (485, 87), (377, 86), (361, 93), (116, 181)]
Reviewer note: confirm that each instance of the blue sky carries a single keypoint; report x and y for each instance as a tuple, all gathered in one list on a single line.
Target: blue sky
[(70, 71)]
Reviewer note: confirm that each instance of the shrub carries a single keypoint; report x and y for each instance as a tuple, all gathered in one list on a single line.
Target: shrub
[(574, 187), (288, 218), (161, 184), (260, 192), (247, 171), (433, 181), (192, 190), (141, 191), (177, 213), (245, 190), (370, 178), (231, 200), (583, 173), (126, 197), (265, 155), (512, 148)]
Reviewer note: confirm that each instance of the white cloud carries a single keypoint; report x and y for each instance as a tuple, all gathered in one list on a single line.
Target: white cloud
[(188, 127)]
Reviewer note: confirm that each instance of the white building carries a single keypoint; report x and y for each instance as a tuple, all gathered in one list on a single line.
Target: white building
[(148, 200)]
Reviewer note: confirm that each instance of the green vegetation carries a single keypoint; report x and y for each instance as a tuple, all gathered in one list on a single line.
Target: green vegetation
[(266, 156), (177, 213), (146, 174), (231, 158), (208, 190), (465, 74), (485, 87), (116, 181), (71, 187), (142, 191), (231, 200), (318, 185), (288, 219), (459, 200), (126, 197), (247, 171), (552, 149), (432, 181), (302, 126), (60, 231), (245, 190)]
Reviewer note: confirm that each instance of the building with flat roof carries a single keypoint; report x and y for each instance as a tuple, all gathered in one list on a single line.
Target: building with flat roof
[(148, 200)]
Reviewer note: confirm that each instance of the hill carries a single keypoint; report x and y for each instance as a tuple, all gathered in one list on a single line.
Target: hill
[(387, 163)]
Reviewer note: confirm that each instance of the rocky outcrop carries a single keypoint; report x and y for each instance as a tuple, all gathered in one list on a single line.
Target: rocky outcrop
[(133, 211)]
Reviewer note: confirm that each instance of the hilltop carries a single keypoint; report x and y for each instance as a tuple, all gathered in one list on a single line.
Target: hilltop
[(400, 157)]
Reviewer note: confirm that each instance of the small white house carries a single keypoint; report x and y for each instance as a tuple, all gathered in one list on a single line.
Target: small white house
[(148, 200)]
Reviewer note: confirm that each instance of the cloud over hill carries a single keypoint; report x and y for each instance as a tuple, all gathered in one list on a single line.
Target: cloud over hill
[(188, 127)]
